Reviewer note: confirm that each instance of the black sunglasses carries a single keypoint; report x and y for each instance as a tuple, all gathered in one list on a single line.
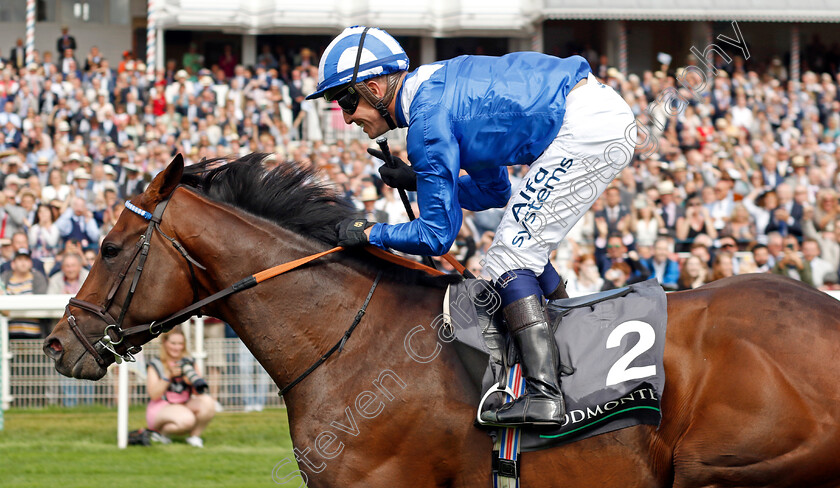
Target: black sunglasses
[(346, 96)]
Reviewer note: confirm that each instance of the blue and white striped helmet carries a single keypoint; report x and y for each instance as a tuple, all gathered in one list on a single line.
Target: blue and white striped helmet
[(381, 55)]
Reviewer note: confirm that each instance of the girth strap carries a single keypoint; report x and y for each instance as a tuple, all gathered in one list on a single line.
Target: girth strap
[(339, 346)]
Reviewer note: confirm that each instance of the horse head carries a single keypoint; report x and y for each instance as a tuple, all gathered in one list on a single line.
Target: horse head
[(113, 314)]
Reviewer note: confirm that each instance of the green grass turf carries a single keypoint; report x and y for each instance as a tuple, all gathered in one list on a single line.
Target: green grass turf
[(67, 448)]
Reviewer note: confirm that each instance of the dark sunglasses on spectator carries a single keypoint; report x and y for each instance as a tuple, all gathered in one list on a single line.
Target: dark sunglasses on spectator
[(613, 246), (347, 98), (727, 244)]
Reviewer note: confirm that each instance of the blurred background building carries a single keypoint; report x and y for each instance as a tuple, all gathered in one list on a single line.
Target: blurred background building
[(431, 30)]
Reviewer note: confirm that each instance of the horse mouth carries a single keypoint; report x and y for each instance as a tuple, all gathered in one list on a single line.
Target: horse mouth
[(87, 370), (83, 367)]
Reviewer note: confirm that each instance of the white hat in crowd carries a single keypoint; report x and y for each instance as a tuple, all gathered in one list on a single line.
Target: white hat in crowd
[(12, 179), (80, 174), (666, 187), (369, 194)]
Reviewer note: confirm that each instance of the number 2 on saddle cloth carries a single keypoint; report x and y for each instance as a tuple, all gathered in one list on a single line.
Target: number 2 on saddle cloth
[(611, 346)]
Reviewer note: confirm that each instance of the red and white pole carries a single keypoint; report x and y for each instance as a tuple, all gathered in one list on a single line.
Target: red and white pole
[(30, 31), (151, 38)]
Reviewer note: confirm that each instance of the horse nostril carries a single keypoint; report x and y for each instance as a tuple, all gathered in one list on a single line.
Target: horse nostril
[(52, 348)]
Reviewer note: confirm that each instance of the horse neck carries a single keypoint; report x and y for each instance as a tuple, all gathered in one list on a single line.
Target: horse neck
[(291, 320), (278, 309)]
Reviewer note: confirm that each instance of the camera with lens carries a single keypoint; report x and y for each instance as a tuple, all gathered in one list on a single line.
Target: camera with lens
[(192, 376)]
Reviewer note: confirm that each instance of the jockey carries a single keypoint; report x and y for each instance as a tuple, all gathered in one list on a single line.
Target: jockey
[(468, 119)]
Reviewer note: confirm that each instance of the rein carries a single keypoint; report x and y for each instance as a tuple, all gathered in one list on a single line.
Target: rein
[(108, 343)]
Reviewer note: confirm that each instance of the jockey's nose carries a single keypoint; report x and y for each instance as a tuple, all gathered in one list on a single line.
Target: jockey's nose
[(347, 118)]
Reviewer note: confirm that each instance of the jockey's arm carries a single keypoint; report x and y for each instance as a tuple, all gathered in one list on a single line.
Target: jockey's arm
[(434, 155), (480, 190)]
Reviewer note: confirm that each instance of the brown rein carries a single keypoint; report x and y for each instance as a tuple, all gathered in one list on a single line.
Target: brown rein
[(158, 327), (155, 328)]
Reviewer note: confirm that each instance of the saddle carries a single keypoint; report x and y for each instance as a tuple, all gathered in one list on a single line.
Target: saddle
[(611, 346)]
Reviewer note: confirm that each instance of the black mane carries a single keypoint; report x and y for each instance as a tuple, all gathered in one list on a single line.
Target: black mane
[(292, 196)]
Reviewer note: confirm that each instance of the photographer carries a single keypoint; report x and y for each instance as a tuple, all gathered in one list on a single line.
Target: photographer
[(179, 403), (791, 263)]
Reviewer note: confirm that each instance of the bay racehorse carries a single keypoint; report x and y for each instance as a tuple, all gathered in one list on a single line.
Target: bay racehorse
[(752, 397)]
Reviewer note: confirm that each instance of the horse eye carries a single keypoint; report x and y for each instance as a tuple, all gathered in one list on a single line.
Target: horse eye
[(110, 251)]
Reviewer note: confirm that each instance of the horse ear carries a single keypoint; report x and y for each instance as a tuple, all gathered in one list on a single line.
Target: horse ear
[(166, 181)]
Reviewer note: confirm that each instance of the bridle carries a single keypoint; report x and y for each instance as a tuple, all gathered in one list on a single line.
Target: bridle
[(114, 335)]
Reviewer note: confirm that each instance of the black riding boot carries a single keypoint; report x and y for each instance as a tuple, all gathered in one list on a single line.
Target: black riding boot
[(542, 404), (559, 292)]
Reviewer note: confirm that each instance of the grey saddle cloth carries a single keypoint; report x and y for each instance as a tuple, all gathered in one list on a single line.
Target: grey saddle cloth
[(611, 348)]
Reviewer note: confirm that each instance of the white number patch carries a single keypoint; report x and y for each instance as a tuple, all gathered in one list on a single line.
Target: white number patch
[(620, 372)]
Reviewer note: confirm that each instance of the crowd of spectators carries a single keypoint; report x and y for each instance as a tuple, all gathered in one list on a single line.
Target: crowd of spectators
[(80, 134), (738, 178), (743, 177)]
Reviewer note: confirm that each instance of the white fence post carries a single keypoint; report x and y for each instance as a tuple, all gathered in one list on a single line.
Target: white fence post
[(122, 406), (5, 359), (4, 366), (198, 351)]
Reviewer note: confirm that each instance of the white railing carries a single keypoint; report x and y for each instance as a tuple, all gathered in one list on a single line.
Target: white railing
[(34, 306), (28, 377), (24, 306)]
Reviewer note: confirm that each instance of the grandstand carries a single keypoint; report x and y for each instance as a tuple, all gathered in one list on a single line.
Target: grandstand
[(428, 30)]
